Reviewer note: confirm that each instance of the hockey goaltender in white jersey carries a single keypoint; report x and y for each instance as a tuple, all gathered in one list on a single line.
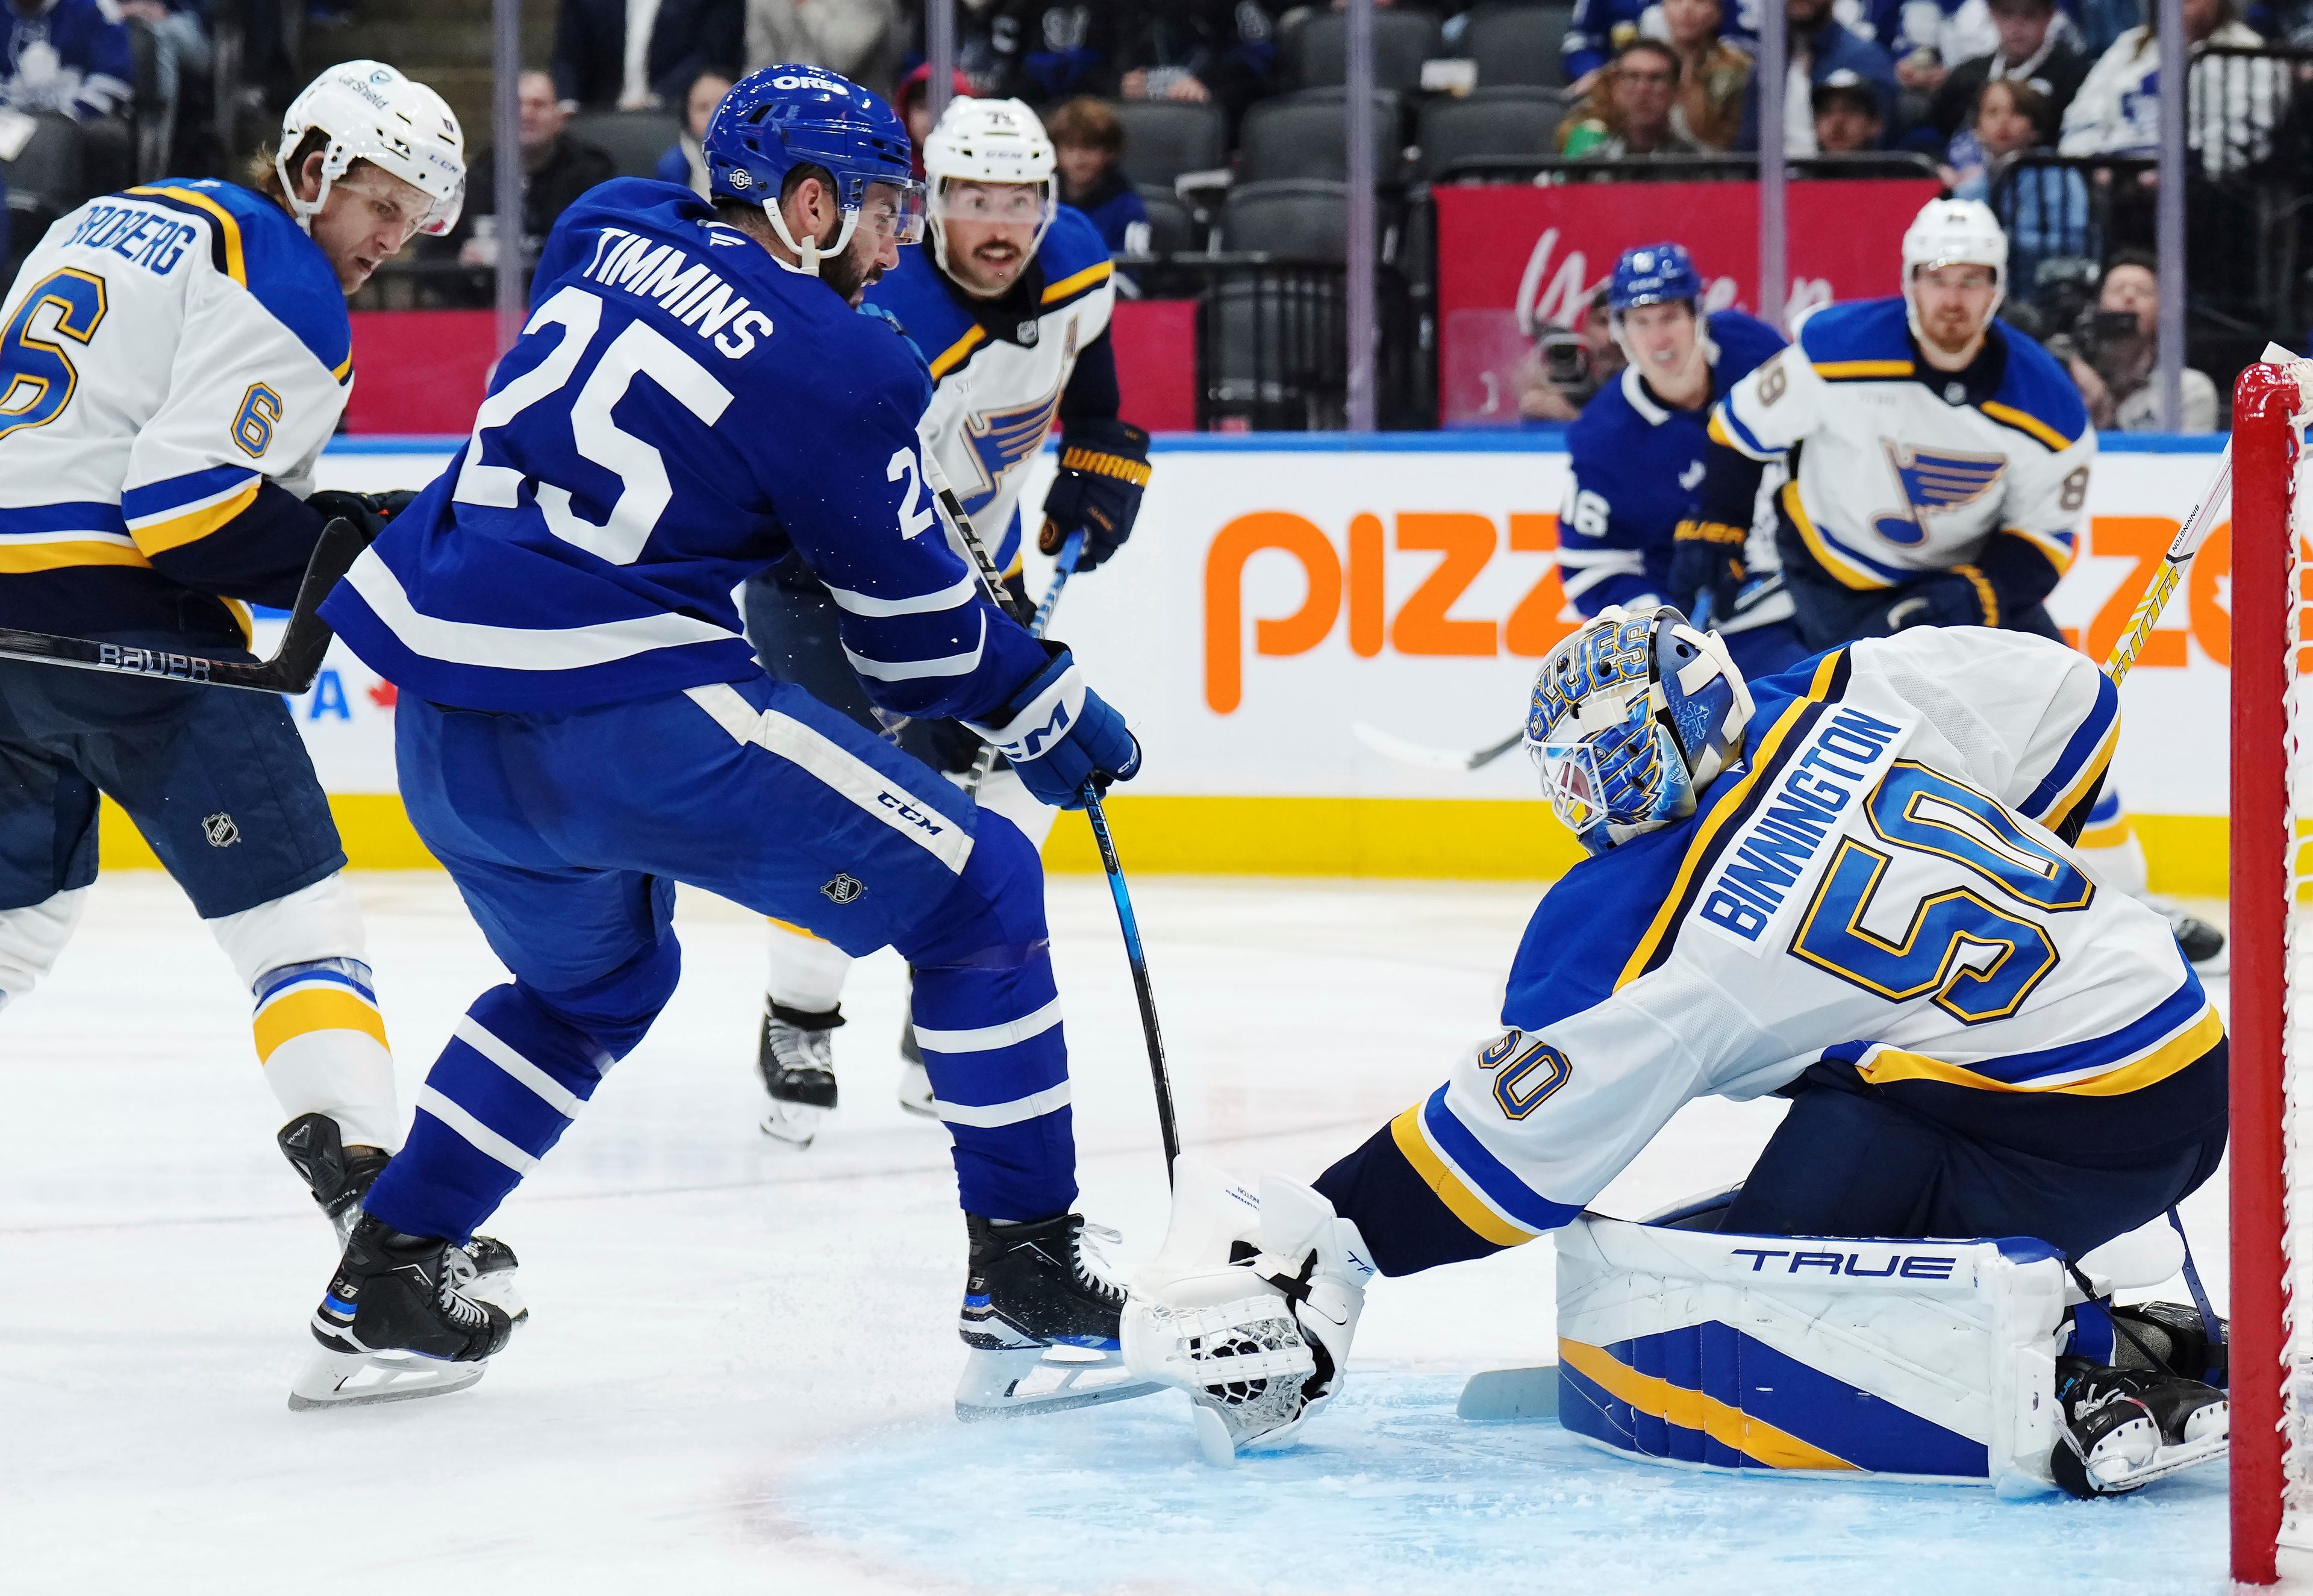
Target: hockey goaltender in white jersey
[(1850, 884)]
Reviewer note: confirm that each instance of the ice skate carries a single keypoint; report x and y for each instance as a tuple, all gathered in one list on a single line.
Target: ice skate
[(2202, 943), (341, 1175), (796, 1058), (1250, 1307), (1040, 1319), (2125, 1428), (394, 1324), (915, 1082)]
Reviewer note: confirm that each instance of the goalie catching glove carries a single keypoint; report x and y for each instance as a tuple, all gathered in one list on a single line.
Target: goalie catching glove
[(1103, 471), (1060, 736), (1249, 1306), (1707, 556)]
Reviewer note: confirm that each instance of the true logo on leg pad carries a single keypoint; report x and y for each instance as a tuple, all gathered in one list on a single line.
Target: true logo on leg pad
[(843, 888)]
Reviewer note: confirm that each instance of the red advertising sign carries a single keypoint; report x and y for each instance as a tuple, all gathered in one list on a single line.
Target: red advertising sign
[(1513, 258)]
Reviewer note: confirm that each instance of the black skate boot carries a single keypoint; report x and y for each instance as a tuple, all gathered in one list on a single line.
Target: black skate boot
[(2126, 1427), (1040, 1319), (341, 1175), (798, 1060), (2171, 1336), (394, 1323)]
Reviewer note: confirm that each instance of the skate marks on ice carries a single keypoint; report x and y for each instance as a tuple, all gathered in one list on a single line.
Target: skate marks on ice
[(1391, 1493)]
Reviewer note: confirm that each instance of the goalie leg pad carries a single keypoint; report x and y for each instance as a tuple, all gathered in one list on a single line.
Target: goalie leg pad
[(1919, 1360)]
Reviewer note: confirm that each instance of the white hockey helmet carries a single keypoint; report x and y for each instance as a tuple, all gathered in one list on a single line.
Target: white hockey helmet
[(988, 141), (1631, 717), (1954, 233), (373, 113)]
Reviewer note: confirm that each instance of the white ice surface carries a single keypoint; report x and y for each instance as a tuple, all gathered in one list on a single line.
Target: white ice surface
[(739, 1367)]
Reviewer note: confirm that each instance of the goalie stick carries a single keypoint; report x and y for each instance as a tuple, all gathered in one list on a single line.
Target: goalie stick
[(1127, 921), (295, 660)]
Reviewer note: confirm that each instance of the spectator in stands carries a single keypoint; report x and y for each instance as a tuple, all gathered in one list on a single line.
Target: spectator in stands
[(1042, 51), (2113, 355), (856, 37), (2229, 115), (1628, 110), (638, 55), (1713, 74), (915, 106), (1817, 46), (180, 47), (2045, 208), (1557, 377), (1222, 50), (2011, 117), (557, 169), (1846, 115), (69, 55), (2036, 47), (1088, 145), (1597, 30), (685, 161)]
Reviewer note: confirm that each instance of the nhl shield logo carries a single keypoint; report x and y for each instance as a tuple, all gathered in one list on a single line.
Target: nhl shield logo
[(844, 889), (220, 830), (1026, 332)]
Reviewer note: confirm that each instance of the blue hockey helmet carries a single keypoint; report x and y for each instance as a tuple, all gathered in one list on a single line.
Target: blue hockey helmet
[(1631, 717), (1653, 275), (779, 118)]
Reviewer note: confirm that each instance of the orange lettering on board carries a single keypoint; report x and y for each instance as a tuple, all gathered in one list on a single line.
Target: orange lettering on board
[(2144, 539), (1422, 625), (2212, 624), (1365, 586), (1297, 633), (1537, 625)]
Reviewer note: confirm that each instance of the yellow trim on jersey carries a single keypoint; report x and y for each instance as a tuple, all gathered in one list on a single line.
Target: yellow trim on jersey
[(1718, 431), (1658, 1398), (242, 619), (804, 931), (1892, 1064), (1077, 283), (1826, 554), (1848, 370), (1985, 595), (1708, 830), (1466, 1205), (235, 265), (2056, 553), (2089, 775), (20, 559), (318, 1008), (2105, 836), (344, 369), (953, 355), (161, 536), (2024, 421)]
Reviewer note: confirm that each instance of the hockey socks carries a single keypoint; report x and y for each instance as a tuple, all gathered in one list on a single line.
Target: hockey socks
[(322, 1042)]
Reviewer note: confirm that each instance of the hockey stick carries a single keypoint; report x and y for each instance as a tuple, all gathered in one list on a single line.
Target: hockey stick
[(2174, 564), (1127, 921), (1071, 551), (292, 667)]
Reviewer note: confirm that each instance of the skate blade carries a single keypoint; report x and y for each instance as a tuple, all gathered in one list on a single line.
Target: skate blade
[(1023, 1383), (354, 1379), (915, 1092), (793, 1124), (2167, 1460), (1214, 1442)]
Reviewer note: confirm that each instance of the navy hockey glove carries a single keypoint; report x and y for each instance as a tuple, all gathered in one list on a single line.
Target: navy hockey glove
[(1706, 556), (369, 512), (1058, 735), (1103, 471), (1959, 596)]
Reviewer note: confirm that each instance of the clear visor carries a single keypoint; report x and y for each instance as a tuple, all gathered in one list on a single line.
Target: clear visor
[(894, 212), (999, 205)]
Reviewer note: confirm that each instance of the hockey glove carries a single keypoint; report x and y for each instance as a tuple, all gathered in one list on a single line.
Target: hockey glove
[(368, 511), (1060, 735), (1707, 556), (1103, 471), (1959, 596)]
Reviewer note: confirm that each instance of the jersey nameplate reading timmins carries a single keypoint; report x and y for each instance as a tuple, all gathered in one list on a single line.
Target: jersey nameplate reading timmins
[(1763, 876)]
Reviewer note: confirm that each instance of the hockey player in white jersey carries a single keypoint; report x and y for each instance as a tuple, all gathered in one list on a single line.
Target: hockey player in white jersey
[(172, 358), (1939, 464), (1008, 301), (1851, 885)]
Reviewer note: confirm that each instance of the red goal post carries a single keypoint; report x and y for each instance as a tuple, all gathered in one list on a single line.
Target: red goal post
[(2272, 1474)]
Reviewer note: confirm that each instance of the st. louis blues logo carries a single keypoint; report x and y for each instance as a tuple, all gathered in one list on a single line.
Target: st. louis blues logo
[(1000, 439), (1933, 480)]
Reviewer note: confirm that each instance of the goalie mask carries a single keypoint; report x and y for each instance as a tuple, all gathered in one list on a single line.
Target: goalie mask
[(1631, 717)]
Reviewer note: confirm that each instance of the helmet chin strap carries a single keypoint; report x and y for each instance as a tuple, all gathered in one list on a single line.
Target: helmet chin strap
[(304, 211), (808, 254)]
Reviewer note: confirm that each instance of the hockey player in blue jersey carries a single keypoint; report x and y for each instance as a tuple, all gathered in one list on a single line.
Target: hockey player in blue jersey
[(1938, 475), (581, 724), (1636, 454), (1008, 301), (1850, 885)]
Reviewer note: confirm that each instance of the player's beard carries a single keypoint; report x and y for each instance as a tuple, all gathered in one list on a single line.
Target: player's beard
[(1952, 333), (851, 273)]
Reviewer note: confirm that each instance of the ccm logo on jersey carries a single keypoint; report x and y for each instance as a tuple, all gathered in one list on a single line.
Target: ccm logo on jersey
[(909, 812), (1846, 755), (1919, 1266), (692, 293)]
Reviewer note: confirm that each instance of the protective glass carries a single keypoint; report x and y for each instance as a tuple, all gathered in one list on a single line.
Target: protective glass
[(1002, 204), (894, 212)]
